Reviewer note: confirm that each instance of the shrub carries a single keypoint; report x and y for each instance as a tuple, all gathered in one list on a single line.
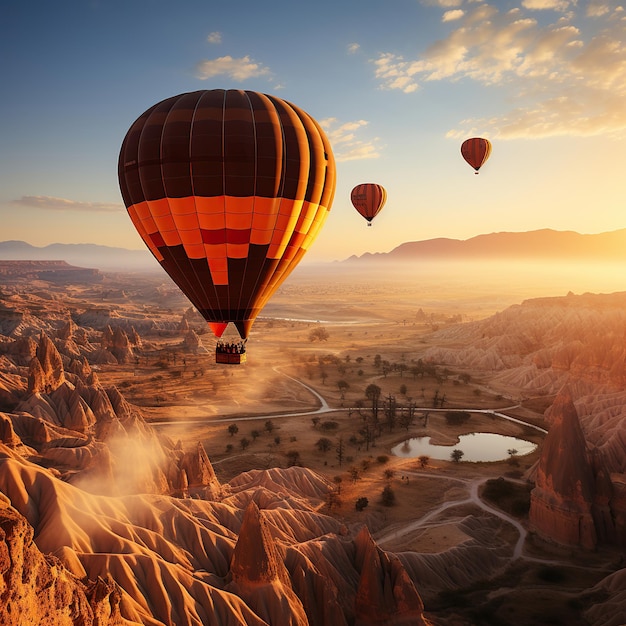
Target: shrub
[(361, 503), (388, 496)]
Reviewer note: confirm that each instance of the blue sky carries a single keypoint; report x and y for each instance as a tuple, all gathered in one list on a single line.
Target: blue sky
[(396, 84)]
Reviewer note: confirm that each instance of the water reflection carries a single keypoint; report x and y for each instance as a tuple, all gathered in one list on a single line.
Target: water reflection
[(475, 447)]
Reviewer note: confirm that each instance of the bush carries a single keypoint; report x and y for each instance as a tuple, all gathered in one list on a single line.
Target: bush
[(382, 458), (456, 418), (361, 503), (388, 496)]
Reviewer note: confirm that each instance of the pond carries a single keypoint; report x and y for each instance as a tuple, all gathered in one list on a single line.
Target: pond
[(475, 447)]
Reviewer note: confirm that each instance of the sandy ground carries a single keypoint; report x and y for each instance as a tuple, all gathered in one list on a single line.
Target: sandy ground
[(190, 398), (296, 390)]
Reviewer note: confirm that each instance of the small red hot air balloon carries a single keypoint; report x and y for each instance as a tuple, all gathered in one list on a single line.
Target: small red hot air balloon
[(368, 199), (228, 189), (476, 151)]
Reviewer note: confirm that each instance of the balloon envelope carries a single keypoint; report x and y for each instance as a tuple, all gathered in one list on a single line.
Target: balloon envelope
[(228, 189), (476, 151), (368, 199)]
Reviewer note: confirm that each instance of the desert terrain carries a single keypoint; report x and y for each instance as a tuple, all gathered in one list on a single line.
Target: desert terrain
[(343, 366)]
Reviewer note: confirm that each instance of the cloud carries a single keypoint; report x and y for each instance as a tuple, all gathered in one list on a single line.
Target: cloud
[(237, 69), (353, 47), (450, 16), (50, 203), (396, 73), (443, 4), (214, 37), (346, 145), (564, 80), (540, 5)]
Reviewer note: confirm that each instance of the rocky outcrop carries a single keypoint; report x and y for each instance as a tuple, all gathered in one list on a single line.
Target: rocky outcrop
[(199, 476), (192, 342), (259, 576), (385, 595), (116, 341), (46, 371), (561, 502), (38, 589)]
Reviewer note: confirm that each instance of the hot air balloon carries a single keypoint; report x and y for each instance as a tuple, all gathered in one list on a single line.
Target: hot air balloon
[(368, 199), (228, 189), (476, 151)]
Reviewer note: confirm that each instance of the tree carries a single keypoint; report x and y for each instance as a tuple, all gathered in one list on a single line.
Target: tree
[(324, 444), (233, 429), (372, 393), (355, 474), (424, 459), (343, 385), (388, 497), (244, 443), (269, 426), (255, 434), (319, 333), (340, 450), (456, 455), (293, 458), (361, 503)]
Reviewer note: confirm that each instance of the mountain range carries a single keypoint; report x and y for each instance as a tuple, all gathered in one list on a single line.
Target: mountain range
[(81, 255), (544, 244), (537, 244)]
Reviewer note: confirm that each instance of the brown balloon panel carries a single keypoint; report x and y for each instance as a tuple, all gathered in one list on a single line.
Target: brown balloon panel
[(476, 151), (368, 199), (228, 189)]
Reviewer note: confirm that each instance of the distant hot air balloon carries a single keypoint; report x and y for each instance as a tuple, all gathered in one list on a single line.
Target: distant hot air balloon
[(228, 189), (368, 199), (476, 151)]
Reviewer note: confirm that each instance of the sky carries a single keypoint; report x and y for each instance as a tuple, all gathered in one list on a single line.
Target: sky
[(397, 86)]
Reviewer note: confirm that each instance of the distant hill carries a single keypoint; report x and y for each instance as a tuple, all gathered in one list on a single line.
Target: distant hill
[(537, 244), (82, 255)]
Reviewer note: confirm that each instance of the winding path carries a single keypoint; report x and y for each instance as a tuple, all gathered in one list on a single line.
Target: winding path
[(472, 498), (473, 485)]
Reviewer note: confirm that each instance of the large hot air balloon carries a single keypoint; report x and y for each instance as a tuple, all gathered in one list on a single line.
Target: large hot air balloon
[(368, 199), (476, 151), (228, 189)]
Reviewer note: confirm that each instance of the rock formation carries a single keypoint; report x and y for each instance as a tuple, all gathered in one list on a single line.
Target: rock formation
[(46, 372), (386, 594), (37, 588), (561, 502)]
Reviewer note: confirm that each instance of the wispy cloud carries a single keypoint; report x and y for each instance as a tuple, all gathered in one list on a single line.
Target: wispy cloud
[(50, 203), (214, 37), (542, 5), (345, 141), (565, 81), (237, 69), (353, 47), (450, 16)]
